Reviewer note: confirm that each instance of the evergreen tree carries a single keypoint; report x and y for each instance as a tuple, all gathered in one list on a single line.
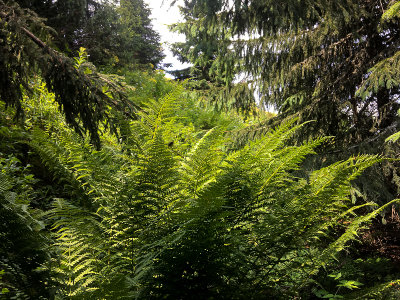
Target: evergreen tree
[(85, 96), (113, 32), (201, 49), (334, 62), (385, 73), (308, 57), (141, 42)]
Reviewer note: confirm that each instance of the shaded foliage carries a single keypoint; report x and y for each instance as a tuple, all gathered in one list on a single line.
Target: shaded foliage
[(85, 96), (306, 58), (185, 201), (130, 38), (192, 218)]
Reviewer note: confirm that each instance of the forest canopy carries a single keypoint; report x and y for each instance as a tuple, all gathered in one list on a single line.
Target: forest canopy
[(126, 24), (117, 182)]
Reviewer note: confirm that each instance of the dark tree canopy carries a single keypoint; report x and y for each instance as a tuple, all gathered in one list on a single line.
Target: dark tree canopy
[(305, 57), (84, 95), (201, 48), (113, 34)]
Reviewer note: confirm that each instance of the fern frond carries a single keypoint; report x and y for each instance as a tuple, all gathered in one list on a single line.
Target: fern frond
[(163, 217), (387, 290), (78, 242)]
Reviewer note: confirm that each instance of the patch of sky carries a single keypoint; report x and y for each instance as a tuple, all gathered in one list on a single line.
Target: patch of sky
[(163, 14)]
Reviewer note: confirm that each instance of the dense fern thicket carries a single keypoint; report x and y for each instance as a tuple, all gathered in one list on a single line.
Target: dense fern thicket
[(171, 208), (182, 199)]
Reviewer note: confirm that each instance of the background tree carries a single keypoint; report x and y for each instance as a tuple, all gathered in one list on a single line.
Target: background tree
[(113, 32), (142, 43), (307, 58), (208, 75), (332, 62), (85, 96)]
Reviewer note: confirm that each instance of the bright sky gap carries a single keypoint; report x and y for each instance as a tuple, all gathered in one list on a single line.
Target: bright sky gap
[(163, 15)]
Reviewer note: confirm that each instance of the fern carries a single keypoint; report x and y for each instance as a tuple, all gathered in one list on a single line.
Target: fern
[(194, 219), (260, 208), (392, 11), (77, 239), (387, 290), (132, 195), (22, 240)]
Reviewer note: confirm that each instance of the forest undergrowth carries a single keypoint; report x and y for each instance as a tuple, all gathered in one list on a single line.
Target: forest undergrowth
[(130, 185), (172, 207)]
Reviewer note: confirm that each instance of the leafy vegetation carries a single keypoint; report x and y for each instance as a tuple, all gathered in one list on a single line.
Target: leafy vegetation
[(305, 58), (130, 40), (196, 192), (331, 62)]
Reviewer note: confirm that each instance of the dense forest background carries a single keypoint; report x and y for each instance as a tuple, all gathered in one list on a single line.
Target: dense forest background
[(119, 183)]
